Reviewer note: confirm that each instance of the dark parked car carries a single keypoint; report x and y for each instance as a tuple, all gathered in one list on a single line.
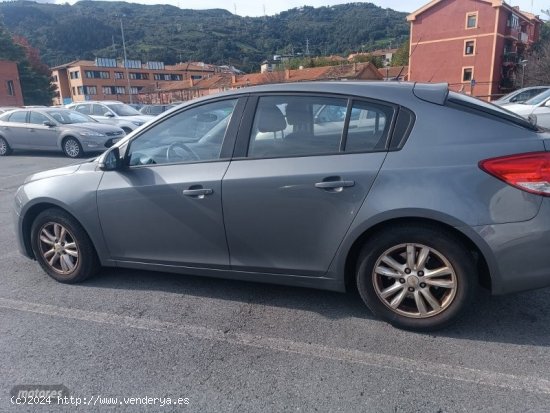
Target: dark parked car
[(423, 198), (55, 129)]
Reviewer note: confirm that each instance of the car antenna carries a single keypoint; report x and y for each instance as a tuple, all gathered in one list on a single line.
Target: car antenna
[(409, 58)]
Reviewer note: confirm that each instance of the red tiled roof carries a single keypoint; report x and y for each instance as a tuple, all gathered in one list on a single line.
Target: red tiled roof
[(392, 72)]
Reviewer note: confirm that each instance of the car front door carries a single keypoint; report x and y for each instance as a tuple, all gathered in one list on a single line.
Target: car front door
[(165, 207), (41, 136), (99, 111), (288, 200)]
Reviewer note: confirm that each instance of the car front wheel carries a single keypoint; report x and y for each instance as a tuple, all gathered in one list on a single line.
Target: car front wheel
[(62, 247), (415, 277), (4, 147), (72, 148)]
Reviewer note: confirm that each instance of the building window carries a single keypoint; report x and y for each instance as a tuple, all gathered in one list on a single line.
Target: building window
[(134, 90), (469, 47), (467, 74), (11, 88), (74, 75), (120, 90), (91, 90), (119, 75), (74, 91), (471, 20), (107, 90)]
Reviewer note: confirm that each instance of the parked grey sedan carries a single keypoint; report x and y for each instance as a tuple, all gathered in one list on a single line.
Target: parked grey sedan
[(55, 129), (440, 195)]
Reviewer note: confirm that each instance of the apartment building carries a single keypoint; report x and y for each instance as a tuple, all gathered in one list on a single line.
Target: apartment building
[(109, 79), (480, 47), (10, 87)]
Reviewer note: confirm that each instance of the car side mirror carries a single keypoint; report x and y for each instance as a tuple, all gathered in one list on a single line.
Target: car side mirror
[(112, 160), (547, 104), (48, 123), (532, 118), (109, 115)]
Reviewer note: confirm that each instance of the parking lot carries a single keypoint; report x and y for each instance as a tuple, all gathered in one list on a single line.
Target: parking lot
[(236, 346)]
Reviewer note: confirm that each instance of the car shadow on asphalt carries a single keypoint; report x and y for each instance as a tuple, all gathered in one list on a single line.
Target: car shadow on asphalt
[(522, 318)]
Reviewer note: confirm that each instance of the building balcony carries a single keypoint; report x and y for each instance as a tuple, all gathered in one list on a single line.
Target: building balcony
[(523, 37), (510, 57)]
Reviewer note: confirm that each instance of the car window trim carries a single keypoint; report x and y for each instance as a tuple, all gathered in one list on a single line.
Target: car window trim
[(227, 144), (245, 131)]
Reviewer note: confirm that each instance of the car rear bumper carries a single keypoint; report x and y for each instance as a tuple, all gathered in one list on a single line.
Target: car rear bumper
[(520, 252)]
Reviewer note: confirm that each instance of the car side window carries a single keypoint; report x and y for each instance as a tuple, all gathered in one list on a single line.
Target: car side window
[(83, 109), (18, 117), (192, 135), (99, 110), (368, 130), (297, 126), (38, 118)]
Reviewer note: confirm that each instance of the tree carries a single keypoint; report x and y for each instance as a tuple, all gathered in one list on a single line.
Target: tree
[(368, 58), (537, 70), (34, 75), (401, 56)]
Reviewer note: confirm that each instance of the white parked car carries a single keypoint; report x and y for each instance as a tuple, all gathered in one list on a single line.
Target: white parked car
[(521, 95), (112, 112), (538, 106)]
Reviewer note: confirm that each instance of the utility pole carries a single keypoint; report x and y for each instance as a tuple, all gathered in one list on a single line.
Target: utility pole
[(307, 47), (125, 60)]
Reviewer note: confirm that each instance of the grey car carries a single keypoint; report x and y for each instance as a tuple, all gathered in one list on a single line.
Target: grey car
[(54, 129), (520, 95), (441, 195)]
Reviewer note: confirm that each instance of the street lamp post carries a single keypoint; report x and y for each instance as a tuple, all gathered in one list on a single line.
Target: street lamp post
[(125, 60), (523, 63)]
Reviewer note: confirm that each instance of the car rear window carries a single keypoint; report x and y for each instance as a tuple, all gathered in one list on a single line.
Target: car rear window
[(475, 104)]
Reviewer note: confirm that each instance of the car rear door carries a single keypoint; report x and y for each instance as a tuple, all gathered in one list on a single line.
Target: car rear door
[(15, 129), (288, 201)]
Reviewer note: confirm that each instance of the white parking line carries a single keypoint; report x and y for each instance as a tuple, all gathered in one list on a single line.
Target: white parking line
[(445, 371)]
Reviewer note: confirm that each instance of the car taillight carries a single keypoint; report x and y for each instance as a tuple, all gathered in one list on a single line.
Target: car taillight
[(529, 171)]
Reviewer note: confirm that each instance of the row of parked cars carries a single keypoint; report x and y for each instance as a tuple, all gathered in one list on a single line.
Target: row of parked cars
[(93, 126), (76, 129)]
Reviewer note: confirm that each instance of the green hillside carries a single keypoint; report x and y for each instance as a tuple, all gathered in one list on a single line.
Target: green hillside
[(166, 33)]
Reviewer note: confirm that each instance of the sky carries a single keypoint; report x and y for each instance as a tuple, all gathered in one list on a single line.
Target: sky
[(256, 7)]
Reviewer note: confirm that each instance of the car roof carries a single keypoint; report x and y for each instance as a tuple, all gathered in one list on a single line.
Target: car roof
[(430, 92)]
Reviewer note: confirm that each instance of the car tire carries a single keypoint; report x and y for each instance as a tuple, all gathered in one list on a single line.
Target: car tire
[(72, 148), (62, 247), (5, 149), (416, 277)]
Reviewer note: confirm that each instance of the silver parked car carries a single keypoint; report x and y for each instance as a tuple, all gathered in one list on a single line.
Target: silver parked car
[(112, 112), (520, 95), (54, 129), (439, 194)]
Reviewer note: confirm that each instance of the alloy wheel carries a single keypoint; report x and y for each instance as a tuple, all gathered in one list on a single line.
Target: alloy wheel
[(3, 147), (414, 280), (59, 248), (72, 148)]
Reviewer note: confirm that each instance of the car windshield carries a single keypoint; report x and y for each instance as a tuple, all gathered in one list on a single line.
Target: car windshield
[(123, 110), (538, 99), (489, 108), (68, 117)]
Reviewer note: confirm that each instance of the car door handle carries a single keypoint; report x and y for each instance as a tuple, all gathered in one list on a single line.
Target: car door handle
[(197, 192), (334, 184)]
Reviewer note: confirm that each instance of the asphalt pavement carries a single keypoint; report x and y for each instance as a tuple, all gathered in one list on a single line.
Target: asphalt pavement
[(133, 341)]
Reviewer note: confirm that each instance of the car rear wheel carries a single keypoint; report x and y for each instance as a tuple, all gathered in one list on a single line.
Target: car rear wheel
[(72, 148), (4, 147), (415, 277), (62, 247)]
